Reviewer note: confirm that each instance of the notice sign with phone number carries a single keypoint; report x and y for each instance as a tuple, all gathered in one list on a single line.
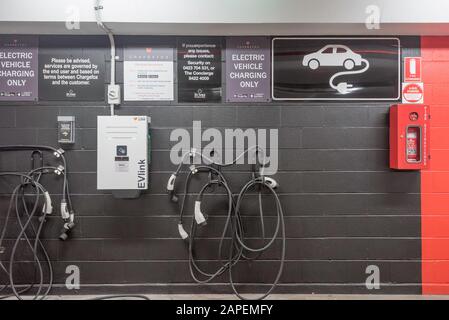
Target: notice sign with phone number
[(199, 69)]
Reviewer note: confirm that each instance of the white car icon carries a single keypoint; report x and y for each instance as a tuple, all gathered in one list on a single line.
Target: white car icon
[(332, 55)]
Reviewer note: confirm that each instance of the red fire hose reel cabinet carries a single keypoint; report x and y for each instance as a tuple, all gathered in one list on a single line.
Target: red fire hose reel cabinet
[(409, 136)]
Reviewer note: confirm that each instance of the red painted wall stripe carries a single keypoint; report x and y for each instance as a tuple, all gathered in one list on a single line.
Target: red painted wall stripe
[(435, 180)]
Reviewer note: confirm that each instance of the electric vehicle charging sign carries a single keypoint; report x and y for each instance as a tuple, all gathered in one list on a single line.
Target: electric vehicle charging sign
[(148, 74), (72, 68), (199, 69), (336, 69), (247, 69), (18, 68)]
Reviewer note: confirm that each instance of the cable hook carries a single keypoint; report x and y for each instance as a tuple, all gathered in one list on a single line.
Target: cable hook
[(36, 155)]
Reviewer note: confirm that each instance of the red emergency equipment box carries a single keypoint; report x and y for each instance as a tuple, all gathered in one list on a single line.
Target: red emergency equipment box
[(409, 136)]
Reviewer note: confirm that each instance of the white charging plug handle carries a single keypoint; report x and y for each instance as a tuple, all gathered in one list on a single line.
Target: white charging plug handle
[(199, 216), (65, 214), (48, 208), (171, 182), (182, 231)]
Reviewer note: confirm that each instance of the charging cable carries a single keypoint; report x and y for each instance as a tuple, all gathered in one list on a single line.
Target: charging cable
[(26, 200), (66, 207), (233, 234), (18, 200)]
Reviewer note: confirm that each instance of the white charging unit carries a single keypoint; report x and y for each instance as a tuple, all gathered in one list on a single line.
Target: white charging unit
[(122, 152)]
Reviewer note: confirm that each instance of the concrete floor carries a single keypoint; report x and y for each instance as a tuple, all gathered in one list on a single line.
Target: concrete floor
[(272, 297)]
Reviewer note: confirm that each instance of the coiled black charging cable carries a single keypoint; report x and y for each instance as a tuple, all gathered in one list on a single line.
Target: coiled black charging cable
[(18, 198), (233, 227), (280, 227), (26, 199)]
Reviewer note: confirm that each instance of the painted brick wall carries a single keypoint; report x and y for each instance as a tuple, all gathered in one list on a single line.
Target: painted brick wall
[(344, 208), (435, 181)]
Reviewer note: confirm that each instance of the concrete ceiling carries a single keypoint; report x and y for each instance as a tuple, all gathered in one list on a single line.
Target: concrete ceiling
[(227, 17)]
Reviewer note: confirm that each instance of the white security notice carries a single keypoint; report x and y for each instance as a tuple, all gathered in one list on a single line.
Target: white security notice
[(148, 80)]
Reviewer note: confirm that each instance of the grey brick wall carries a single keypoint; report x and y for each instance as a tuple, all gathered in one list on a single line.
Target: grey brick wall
[(344, 208)]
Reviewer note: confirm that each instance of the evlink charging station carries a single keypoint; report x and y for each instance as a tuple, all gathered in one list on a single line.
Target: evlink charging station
[(123, 154)]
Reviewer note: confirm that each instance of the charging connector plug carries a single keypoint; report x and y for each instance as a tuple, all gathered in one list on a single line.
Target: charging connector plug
[(199, 216), (182, 232), (48, 208), (171, 187), (65, 214)]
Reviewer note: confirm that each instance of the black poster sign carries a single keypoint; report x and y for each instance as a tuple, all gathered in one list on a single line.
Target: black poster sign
[(72, 70), (18, 68), (199, 69), (336, 68)]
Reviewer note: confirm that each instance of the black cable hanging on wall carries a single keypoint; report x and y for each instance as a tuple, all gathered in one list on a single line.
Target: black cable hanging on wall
[(26, 199), (233, 230)]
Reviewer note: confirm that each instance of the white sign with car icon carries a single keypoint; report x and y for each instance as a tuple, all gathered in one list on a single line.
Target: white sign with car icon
[(336, 55), (354, 68), (332, 55)]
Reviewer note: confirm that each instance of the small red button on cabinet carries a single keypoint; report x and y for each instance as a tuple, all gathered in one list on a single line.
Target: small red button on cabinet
[(409, 136)]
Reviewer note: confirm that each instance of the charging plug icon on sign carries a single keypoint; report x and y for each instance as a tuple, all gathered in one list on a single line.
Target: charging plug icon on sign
[(337, 55)]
